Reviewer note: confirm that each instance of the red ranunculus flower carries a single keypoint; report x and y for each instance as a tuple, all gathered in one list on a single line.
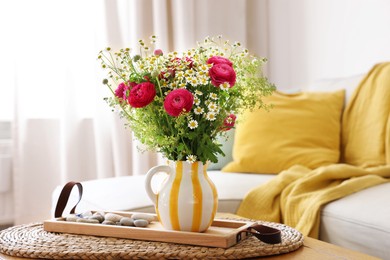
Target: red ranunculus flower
[(178, 101), (219, 60), (120, 90), (142, 95), (221, 73), (229, 121)]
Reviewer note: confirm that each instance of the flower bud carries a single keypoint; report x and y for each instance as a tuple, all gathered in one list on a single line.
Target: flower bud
[(105, 81), (136, 58), (155, 73), (158, 52)]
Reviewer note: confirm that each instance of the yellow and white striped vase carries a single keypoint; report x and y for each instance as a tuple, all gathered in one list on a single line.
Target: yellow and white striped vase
[(187, 200)]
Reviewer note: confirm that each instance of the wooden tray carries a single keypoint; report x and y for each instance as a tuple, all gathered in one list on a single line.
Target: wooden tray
[(222, 233)]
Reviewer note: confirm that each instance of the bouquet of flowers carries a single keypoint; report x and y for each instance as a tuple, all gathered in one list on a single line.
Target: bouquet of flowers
[(178, 104)]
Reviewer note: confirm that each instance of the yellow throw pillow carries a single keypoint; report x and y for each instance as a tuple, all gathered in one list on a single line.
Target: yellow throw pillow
[(302, 128)]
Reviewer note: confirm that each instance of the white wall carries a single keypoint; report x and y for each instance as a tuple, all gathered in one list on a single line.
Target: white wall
[(316, 39)]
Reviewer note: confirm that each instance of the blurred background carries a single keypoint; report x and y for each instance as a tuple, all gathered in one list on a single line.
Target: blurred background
[(55, 126)]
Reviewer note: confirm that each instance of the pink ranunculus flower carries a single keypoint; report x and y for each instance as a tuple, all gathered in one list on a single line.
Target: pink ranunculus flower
[(142, 94), (221, 73), (178, 101), (219, 60), (229, 121)]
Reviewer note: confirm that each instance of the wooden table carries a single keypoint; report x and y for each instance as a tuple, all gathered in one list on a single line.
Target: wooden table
[(311, 249), (316, 249)]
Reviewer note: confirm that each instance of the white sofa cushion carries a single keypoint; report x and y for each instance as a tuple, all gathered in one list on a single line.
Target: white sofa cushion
[(360, 221), (348, 83)]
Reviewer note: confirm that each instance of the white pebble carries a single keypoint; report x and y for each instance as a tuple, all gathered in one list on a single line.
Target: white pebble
[(141, 222), (127, 221), (87, 220), (107, 222), (97, 216), (145, 216), (113, 217), (86, 214), (72, 218)]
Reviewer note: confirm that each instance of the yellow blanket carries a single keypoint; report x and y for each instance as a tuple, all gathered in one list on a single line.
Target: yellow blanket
[(295, 196)]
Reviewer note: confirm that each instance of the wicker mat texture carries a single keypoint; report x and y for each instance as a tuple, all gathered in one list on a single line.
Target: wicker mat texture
[(32, 241)]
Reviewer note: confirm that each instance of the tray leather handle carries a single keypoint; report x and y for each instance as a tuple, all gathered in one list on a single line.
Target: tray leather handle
[(264, 233), (64, 197)]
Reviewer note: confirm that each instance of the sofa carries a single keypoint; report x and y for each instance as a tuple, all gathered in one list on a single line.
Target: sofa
[(359, 221)]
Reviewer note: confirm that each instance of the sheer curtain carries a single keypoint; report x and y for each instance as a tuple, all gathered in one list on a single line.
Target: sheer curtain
[(62, 129), (51, 83)]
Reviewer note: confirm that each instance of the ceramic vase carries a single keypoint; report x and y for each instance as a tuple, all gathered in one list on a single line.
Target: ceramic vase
[(187, 199)]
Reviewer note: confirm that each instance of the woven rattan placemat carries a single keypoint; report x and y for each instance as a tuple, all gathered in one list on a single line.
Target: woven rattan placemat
[(33, 242)]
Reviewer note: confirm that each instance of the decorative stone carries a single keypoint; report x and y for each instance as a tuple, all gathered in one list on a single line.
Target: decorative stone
[(86, 214), (100, 212), (144, 216), (112, 217), (125, 221), (72, 218), (87, 220), (141, 223), (98, 217), (107, 222)]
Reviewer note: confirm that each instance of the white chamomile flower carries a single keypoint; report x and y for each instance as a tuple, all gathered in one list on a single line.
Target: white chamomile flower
[(212, 106), (192, 124), (179, 74), (190, 72), (211, 116), (203, 80), (213, 96), (196, 101), (191, 158), (198, 111), (200, 74), (181, 67), (193, 81), (224, 86), (203, 68)]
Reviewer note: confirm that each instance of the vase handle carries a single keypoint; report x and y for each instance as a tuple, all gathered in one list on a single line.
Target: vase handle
[(148, 180)]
